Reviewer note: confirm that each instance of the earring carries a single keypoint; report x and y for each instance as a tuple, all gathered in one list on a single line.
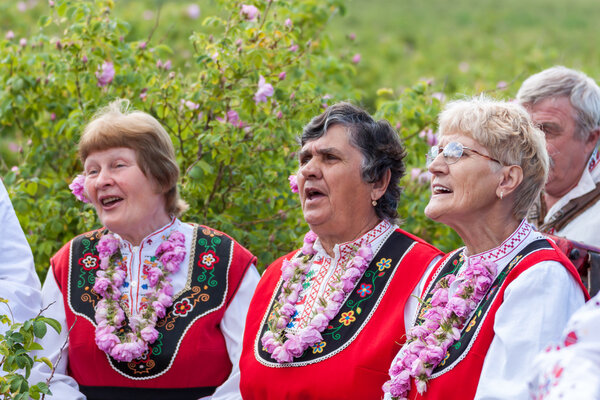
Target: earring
[(501, 195), (374, 202)]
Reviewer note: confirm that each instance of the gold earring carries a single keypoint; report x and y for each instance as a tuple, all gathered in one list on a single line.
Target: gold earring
[(374, 202)]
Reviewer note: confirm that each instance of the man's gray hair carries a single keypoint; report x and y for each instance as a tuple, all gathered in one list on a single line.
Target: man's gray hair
[(558, 81)]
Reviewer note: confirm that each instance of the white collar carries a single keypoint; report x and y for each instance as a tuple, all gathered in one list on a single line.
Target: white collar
[(343, 249)]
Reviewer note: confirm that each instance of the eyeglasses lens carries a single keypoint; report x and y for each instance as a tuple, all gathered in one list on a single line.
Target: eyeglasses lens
[(452, 153)]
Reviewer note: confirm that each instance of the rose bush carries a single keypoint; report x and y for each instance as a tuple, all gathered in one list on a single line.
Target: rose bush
[(258, 71)]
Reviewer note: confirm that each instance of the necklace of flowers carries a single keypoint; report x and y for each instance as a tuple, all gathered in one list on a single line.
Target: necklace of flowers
[(427, 344), (284, 347), (110, 317)]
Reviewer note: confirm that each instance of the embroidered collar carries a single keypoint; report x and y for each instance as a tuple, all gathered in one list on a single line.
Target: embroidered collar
[(506, 249), (342, 250)]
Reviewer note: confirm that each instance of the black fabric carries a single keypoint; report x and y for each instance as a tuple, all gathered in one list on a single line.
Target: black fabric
[(129, 393), (210, 256)]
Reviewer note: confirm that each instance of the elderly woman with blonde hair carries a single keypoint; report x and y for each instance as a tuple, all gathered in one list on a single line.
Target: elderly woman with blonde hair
[(150, 306), (490, 306)]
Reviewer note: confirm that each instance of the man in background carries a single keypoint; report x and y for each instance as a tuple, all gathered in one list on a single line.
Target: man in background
[(566, 105)]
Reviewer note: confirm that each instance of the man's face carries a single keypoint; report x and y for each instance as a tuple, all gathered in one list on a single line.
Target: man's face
[(568, 152)]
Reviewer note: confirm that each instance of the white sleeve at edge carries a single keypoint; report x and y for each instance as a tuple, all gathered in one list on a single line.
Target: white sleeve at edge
[(232, 326), (63, 387), (535, 310)]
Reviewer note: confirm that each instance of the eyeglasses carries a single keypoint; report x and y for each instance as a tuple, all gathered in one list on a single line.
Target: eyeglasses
[(452, 153)]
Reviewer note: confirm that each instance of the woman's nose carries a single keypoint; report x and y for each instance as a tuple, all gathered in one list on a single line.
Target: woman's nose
[(104, 178), (311, 169), (438, 164)]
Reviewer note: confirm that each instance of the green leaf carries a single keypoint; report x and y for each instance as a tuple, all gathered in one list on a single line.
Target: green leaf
[(52, 322)]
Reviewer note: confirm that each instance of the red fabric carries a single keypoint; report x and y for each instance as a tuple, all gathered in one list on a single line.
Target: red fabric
[(356, 372), (460, 383), (201, 361)]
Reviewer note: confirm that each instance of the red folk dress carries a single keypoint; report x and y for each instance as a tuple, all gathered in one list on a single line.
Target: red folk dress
[(352, 360)]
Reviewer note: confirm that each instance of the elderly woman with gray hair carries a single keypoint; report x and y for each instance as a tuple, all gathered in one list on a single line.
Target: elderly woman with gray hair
[(326, 320), (490, 306)]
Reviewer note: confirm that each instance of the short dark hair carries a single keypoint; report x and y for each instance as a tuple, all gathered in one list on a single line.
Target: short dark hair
[(377, 141)]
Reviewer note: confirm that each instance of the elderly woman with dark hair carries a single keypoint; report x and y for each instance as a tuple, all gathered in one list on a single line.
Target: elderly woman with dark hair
[(151, 307), (326, 320), (490, 306)]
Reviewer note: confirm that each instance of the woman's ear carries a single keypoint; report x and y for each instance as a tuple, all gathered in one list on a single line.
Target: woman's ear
[(511, 178), (379, 187)]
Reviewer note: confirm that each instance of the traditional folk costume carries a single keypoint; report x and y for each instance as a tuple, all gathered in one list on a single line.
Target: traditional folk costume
[(530, 299), (575, 215), (19, 284), (569, 370), (199, 339), (358, 343)]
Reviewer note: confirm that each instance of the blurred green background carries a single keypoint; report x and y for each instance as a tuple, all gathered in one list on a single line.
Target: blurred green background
[(462, 47), (459, 48)]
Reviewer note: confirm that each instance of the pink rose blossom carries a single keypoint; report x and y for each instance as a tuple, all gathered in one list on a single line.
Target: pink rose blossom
[(149, 334), (282, 75), (23, 42), (193, 11), (78, 188), (440, 297), (320, 322), (310, 237), (191, 105), (417, 331), (293, 48), (293, 183), (101, 285), (308, 249), (458, 306), (288, 23), (105, 74), (281, 355), (106, 341), (9, 35), (249, 12), (264, 90), (107, 245), (154, 274), (287, 309), (356, 58), (338, 296), (293, 345), (310, 335)]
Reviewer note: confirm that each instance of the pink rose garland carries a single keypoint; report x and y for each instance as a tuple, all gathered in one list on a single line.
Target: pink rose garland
[(285, 346), (427, 344), (109, 314)]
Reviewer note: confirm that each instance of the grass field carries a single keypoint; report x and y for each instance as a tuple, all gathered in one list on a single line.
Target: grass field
[(467, 46)]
